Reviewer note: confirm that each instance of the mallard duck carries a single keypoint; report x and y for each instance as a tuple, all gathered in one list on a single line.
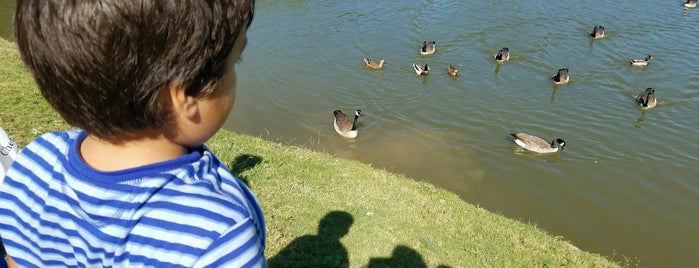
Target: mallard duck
[(647, 99), (452, 71), (536, 144), (421, 70), (428, 47), (640, 62), (503, 55), (374, 64), (597, 32), (344, 126), (561, 77), (690, 3)]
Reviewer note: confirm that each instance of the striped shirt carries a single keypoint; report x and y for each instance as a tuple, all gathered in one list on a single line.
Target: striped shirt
[(55, 211)]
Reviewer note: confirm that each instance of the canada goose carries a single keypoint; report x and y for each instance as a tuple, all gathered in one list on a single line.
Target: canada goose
[(647, 99), (374, 64), (690, 3), (640, 62), (597, 32), (421, 70), (561, 77), (428, 47), (344, 126), (503, 55), (536, 144), (452, 70)]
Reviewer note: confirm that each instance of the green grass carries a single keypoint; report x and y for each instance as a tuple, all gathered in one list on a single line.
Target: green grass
[(24, 114), (372, 218)]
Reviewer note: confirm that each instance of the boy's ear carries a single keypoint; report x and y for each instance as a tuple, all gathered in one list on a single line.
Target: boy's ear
[(182, 104)]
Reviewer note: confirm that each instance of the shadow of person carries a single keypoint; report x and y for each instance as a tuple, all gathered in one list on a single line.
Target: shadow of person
[(402, 256), (322, 250), (242, 163)]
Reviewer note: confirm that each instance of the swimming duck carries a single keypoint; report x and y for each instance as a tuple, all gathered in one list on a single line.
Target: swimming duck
[(561, 77), (647, 99), (640, 62), (503, 55), (344, 126), (428, 47), (374, 64), (536, 144), (452, 71), (421, 70), (597, 32), (690, 3)]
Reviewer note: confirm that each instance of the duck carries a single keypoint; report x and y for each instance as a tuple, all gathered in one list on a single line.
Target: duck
[(452, 71), (503, 55), (690, 3), (597, 32), (536, 144), (374, 64), (344, 126), (428, 47), (421, 70), (647, 99), (640, 62), (561, 77)]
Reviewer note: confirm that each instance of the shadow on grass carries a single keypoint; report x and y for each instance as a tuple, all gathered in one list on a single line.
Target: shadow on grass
[(321, 250), (402, 256), (242, 163)]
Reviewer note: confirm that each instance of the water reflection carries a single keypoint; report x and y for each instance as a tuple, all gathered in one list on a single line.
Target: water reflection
[(550, 158), (553, 93), (640, 119), (425, 78)]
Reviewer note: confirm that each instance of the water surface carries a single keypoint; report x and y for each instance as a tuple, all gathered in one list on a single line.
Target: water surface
[(626, 184)]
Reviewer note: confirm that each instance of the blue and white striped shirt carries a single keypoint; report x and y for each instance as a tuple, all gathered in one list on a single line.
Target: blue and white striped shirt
[(55, 211)]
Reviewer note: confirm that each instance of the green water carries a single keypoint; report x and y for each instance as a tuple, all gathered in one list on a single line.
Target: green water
[(626, 183)]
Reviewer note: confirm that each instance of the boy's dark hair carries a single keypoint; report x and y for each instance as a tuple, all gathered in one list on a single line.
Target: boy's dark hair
[(103, 64)]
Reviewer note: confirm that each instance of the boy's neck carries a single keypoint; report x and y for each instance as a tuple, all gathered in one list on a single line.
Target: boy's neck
[(106, 155)]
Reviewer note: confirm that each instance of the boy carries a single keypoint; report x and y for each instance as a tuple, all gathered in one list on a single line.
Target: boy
[(147, 83)]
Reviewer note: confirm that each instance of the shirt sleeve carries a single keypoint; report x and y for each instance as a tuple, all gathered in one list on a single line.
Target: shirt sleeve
[(239, 246)]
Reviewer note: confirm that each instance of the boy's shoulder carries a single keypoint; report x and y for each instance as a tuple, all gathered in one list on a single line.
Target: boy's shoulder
[(59, 139), (49, 145)]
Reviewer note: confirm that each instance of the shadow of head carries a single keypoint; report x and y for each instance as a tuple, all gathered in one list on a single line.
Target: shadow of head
[(402, 256), (321, 250), (243, 163), (335, 224)]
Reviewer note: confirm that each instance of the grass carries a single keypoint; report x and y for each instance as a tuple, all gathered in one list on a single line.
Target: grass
[(24, 113), (322, 211)]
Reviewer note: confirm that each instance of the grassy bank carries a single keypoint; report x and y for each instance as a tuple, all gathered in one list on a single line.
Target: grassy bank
[(336, 209)]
